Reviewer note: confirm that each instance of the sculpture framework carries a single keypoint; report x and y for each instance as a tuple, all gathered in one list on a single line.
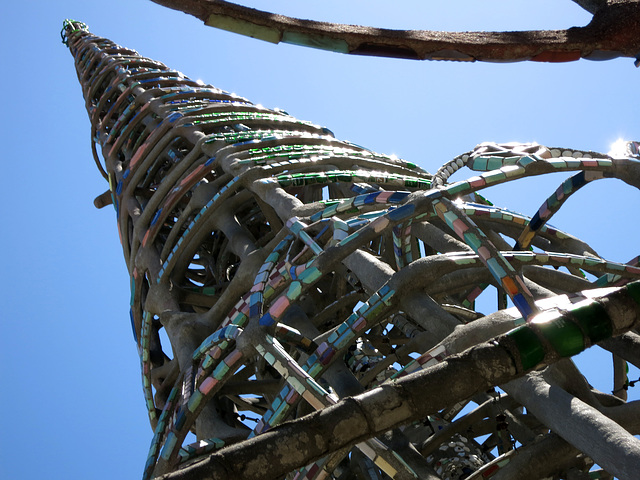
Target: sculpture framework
[(293, 272)]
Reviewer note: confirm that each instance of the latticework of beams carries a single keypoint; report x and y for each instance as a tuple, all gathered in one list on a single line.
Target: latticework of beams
[(294, 272)]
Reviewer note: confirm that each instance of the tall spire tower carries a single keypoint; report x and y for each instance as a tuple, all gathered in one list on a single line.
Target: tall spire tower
[(291, 270)]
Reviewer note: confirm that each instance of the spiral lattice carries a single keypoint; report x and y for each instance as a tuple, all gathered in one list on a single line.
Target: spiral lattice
[(290, 269)]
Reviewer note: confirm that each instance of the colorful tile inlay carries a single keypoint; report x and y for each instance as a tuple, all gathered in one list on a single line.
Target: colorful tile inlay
[(240, 226)]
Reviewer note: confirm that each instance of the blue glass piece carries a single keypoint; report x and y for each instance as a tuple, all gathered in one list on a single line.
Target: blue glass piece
[(359, 200), (578, 180), (402, 212), (155, 218), (398, 197), (535, 222), (342, 328), (133, 326), (254, 310), (521, 304), (174, 116), (267, 320), (181, 420), (267, 416), (435, 194), (371, 198)]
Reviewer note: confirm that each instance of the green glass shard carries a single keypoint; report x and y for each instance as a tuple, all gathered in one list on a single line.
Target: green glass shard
[(529, 346)]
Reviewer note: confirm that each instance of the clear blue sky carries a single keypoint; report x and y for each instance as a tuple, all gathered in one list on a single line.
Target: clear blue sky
[(72, 400)]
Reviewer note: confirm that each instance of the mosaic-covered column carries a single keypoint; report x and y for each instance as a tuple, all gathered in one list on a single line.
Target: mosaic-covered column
[(290, 269)]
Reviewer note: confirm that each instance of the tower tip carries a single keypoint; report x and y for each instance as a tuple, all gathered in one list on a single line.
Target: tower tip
[(70, 26)]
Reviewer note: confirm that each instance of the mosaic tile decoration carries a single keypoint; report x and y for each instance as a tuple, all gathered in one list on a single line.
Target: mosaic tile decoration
[(290, 269)]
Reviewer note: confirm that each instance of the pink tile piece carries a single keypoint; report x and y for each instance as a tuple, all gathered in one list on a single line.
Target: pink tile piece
[(279, 306)]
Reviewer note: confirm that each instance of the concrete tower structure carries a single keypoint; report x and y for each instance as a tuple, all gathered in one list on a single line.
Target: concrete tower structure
[(293, 272)]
